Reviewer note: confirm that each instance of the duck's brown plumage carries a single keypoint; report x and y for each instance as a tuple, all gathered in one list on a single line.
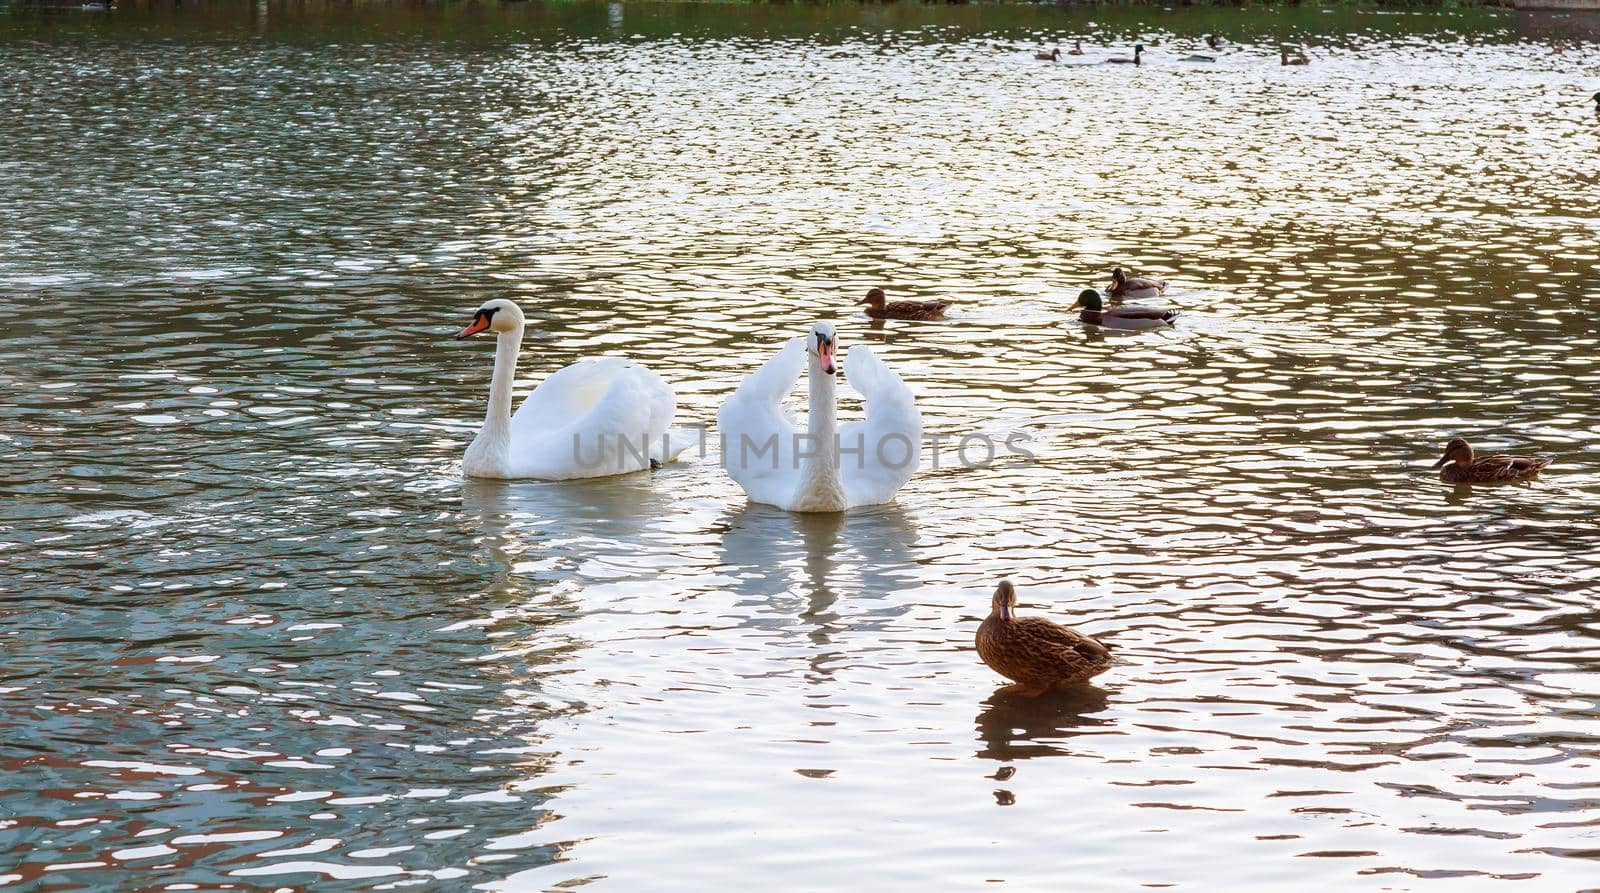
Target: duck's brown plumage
[(1462, 466), (1033, 652), (880, 307), (1123, 284)]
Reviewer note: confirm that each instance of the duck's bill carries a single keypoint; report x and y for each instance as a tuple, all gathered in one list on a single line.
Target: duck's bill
[(1442, 460), (862, 301), (478, 324), (1074, 307)]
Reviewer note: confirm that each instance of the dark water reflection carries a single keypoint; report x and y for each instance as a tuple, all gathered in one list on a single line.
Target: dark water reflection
[(255, 630)]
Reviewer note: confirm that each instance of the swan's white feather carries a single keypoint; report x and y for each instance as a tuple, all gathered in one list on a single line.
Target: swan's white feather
[(890, 437), (755, 416), (575, 422)]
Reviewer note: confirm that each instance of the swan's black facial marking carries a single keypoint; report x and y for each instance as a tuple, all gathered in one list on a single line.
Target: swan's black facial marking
[(824, 351), (480, 322)]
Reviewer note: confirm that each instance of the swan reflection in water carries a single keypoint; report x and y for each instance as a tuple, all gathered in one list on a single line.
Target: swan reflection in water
[(545, 538), (786, 565), (621, 521), (1015, 727)]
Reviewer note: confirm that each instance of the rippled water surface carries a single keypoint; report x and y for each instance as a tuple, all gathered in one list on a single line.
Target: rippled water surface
[(256, 630)]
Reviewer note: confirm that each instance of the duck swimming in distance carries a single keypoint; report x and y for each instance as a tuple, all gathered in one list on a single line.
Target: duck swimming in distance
[(880, 307), (1125, 286), (1051, 56), (1126, 316), (1035, 653), (1461, 466), (1138, 53)]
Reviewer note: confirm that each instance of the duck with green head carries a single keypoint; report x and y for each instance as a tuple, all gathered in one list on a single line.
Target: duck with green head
[(1124, 316), (1138, 52)]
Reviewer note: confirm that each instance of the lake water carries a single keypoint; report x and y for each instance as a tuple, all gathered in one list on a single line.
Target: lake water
[(256, 630)]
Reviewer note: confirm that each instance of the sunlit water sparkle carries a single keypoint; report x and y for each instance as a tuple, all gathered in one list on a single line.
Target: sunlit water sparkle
[(257, 631)]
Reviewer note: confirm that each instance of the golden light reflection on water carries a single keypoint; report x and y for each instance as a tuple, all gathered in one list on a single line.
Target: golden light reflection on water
[(248, 594)]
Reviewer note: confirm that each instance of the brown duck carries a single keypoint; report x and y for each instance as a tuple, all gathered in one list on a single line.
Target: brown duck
[(880, 307), (1035, 653), (1462, 467), (1123, 285)]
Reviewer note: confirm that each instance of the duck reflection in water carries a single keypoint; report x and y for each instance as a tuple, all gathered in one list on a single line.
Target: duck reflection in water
[(798, 564), (1016, 727)]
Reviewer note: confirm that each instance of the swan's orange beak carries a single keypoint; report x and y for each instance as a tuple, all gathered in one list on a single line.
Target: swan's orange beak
[(478, 324), (825, 354)]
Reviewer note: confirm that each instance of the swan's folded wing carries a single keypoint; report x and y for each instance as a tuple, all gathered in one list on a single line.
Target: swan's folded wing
[(567, 394), (598, 416), (878, 454), (757, 431), (678, 440)]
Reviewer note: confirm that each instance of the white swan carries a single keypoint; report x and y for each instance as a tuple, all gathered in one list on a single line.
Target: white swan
[(827, 467), (596, 417)]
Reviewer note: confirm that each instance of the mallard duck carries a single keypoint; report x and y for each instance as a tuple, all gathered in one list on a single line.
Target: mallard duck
[(1462, 467), (1138, 52), (1125, 286), (1033, 652), (1077, 48), (1126, 316), (1215, 42), (1597, 103), (1051, 56), (1299, 57), (879, 307)]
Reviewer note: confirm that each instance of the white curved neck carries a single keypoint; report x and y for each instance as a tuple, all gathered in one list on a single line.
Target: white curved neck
[(489, 454), (821, 489), (823, 418), (507, 347)]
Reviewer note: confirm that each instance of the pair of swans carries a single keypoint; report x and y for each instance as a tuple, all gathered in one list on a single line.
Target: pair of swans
[(610, 415)]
